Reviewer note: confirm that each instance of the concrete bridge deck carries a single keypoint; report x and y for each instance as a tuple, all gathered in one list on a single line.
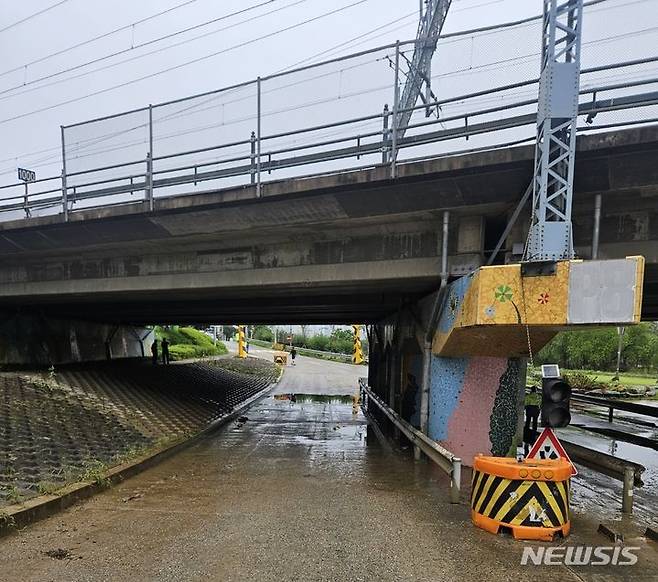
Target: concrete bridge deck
[(334, 247)]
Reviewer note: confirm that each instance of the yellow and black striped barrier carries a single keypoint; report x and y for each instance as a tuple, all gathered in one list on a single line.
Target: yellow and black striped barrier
[(528, 498), (357, 352), (242, 349)]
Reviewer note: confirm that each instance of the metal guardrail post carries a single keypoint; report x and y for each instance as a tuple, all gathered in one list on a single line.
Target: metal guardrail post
[(455, 480), (258, 136), (385, 135), (627, 494), (396, 102), (149, 163), (628, 472), (65, 199), (26, 206), (253, 157)]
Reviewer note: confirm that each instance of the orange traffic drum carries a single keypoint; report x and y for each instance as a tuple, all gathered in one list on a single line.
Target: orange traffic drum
[(530, 498)]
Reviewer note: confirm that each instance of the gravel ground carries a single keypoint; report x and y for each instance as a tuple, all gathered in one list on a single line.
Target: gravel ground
[(61, 427)]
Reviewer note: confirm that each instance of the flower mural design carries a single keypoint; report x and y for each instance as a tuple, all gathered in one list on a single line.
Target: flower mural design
[(503, 293), (454, 303), (543, 298)]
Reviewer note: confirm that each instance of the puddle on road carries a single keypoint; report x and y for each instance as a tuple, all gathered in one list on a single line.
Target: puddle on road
[(318, 398)]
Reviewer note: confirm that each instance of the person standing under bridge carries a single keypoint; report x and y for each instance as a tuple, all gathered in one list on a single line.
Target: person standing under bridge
[(409, 398), (154, 352), (531, 404), (293, 355), (165, 351)]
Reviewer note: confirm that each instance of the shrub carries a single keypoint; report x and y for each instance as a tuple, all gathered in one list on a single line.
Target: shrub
[(186, 343), (182, 352), (583, 382)]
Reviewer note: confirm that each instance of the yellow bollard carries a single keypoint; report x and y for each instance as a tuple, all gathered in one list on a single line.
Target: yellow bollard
[(530, 498), (242, 349), (357, 355)]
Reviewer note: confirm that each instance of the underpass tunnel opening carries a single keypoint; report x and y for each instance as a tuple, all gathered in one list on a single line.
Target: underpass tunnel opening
[(97, 412), (315, 402)]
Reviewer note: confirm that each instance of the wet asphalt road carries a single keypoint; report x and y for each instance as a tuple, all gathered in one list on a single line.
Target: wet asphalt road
[(299, 492)]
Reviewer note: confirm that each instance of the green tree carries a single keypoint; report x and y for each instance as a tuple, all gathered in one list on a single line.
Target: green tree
[(596, 349), (319, 342), (341, 341), (263, 332)]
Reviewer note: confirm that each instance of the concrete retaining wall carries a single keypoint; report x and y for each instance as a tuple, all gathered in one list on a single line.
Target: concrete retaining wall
[(35, 340)]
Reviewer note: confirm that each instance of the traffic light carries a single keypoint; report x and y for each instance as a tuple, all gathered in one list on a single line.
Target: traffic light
[(555, 397)]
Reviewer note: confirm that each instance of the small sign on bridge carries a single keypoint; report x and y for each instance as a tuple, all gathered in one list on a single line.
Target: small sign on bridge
[(25, 175)]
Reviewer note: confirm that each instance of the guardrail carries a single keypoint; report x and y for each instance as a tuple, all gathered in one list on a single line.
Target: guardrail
[(449, 463), (337, 355), (612, 404), (628, 472)]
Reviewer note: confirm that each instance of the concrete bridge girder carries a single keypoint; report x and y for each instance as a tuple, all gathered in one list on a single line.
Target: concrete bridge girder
[(341, 235)]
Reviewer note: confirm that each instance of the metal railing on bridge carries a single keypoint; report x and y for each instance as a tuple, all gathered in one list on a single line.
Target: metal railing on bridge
[(330, 116)]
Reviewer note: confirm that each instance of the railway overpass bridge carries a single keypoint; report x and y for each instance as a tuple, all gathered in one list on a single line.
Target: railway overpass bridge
[(336, 247), (425, 250)]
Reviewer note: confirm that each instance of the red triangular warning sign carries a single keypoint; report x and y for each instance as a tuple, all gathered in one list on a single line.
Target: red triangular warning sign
[(547, 446)]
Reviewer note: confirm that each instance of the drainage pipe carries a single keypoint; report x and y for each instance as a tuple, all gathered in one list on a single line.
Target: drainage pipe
[(597, 227), (429, 334)]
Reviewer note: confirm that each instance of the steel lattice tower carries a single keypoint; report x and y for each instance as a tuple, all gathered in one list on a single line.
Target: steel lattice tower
[(420, 66), (550, 236)]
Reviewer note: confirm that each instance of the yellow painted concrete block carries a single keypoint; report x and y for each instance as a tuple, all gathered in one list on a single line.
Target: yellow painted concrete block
[(501, 308)]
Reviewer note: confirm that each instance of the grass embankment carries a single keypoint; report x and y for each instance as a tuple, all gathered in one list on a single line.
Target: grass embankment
[(624, 379), (186, 343), (593, 380)]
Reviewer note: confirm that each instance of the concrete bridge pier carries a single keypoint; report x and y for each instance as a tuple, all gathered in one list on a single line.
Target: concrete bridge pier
[(468, 345), (472, 404)]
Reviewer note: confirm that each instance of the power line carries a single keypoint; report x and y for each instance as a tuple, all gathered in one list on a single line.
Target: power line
[(94, 39), (300, 106), (34, 15), (347, 42), (138, 46), (184, 64), (332, 49), (455, 105)]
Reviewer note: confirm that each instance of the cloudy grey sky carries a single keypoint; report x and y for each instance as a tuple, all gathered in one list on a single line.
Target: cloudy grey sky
[(70, 22)]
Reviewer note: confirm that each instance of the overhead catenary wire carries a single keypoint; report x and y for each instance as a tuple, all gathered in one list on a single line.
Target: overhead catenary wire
[(195, 109), (15, 88), (184, 64), (97, 38), (34, 15), (144, 44), (461, 33), (229, 122), (58, 147), (298, 107)]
